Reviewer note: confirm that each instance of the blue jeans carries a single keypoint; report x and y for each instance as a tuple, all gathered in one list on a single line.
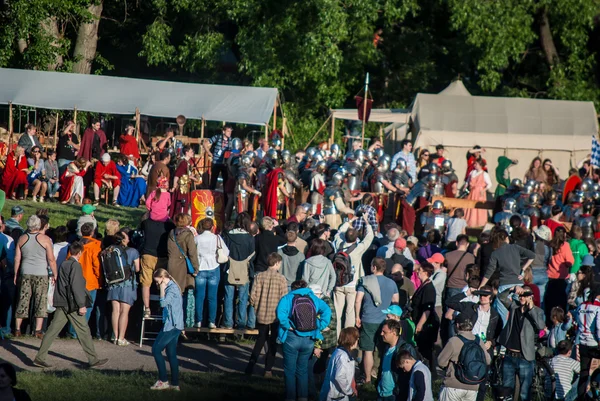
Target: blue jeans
[(540, 278), (451, 292), (8, 291), (296, 352), (243, 312), (167, 340), (511, 367), (207, 280), (53, 188)]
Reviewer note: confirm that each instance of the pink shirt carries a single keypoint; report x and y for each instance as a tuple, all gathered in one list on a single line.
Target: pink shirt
[(159, 210)]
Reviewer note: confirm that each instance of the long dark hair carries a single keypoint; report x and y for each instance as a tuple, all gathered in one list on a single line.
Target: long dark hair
[(587, 281), (243, 221), (498, 238), (518, 232), (560, 237)]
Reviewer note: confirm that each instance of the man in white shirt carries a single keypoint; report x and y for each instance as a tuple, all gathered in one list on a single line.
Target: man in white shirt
[(407, 155)]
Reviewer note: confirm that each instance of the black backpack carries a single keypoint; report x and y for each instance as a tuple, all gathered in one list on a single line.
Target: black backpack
[(471, 367), (304, 313), (114, 265), (342, 265)]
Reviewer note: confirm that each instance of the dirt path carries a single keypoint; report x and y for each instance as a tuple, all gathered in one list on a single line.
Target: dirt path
[(193, 356)]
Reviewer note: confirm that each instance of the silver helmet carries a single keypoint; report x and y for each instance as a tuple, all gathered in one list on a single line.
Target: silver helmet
[(379, 153), (578, 197), (433, 168), (369, 155), (400, 166), (342, 170), (337, 178), (533, 184), (596, 187), (431, 180), (534, 199), (438, 204), (359, 156), (236, 144), (321, 166), (318, 156), (446, 165), (595, 196), (587, 185), (383, 166), (387, 158), (246, 161), (286, 156), (250, 154), (310, 152), (510, 205), (528, 189), (272, 158), (276, 142), (516, 183), (335, 150)]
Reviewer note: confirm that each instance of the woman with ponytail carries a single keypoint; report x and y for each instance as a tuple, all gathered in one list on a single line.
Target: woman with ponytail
[(171, 303)]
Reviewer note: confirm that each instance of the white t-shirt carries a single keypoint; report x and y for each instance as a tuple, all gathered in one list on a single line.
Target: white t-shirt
[(61, 249), (482, 323), (455, 228)]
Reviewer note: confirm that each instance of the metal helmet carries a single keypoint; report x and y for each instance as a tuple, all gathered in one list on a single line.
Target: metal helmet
[(516, 183), (387, 158), (351, 169), (321, 166), (335, 150), (272, 158), (276, 142), (528, 189), (587, 185), (551, 196), (433, 168), (401, 166), (587, 207), (534, 199), (431, 180), (250, 154), (359, 156), (246, 161), (578, 197), (383, 165), (318, 156), (438, 204), (510, 205), (446, 165), (379, 153), (310, 152), (286, 156), (236, 144), (596, 187), (369, 155), (337, 178), (595, 196), (533, 184)]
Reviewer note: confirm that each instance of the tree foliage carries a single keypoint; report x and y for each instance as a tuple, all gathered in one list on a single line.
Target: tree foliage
[(318, 51)]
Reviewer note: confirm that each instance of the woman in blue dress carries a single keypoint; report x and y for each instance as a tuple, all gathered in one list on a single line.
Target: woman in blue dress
[(133, 185)]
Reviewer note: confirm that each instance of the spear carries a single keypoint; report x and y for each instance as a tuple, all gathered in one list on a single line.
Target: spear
[(364, 119)]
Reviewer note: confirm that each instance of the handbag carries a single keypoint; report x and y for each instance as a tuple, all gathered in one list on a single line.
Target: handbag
[(221, 256), (188, 262), (238, 271)]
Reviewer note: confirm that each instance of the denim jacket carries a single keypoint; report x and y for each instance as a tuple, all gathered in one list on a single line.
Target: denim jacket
[(172, 305)]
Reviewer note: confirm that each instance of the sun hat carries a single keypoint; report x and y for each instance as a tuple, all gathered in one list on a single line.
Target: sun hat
[(543, 232)]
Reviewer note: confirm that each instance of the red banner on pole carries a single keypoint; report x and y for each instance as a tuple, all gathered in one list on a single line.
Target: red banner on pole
[(361, 107)]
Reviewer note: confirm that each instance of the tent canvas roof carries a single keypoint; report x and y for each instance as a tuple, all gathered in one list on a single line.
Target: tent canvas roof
[(499, 122), (377, 115), (456, 88), (116, 95)]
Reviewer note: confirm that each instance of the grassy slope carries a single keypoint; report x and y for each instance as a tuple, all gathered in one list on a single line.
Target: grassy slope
[(60, 214)]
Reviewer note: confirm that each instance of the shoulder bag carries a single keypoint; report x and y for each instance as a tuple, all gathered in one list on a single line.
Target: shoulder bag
[(220, 255), (448, 279), (188, 262)]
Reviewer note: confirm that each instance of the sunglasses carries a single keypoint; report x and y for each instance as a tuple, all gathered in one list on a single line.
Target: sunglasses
[(426, 155)]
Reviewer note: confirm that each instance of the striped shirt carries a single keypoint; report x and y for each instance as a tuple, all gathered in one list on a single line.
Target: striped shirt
[(221, 144), (564, 369)]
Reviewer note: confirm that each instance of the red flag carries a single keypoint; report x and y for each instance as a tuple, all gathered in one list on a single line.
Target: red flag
[(360, 105)]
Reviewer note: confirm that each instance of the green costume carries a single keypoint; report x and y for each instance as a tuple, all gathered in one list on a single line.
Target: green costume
[(502, 175)]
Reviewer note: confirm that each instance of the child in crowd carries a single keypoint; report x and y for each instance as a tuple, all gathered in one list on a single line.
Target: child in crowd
[(565, 368), (159, 201), (456, 225), (339, 379), (561, 324)]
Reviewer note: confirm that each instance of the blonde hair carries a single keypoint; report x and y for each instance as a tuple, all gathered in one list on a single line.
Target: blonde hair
[(163, 273), (267, 223), (112, 227)]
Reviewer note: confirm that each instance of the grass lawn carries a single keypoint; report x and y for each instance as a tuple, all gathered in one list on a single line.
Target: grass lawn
[(60, 214)]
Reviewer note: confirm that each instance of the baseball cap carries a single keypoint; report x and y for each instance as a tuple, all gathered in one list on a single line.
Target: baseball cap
[(436, 258), (413, 240), (88, 209), (393, 310), (400, 243), (16, 210), (588, 260)]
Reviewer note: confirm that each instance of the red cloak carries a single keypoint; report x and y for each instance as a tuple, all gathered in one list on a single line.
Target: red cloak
[(110, 169), (270, 195), (13, 176), (66, 184), (129, 146), (87, 141)]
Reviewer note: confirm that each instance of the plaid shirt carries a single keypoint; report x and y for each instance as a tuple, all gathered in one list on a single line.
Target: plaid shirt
[(268, 289), (221, 144), (371, 216), (330, 336)]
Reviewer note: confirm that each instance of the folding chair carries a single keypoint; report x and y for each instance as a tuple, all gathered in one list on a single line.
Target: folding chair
[(152, 317)]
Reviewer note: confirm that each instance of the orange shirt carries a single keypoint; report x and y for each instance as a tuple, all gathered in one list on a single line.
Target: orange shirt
[(90, 263), (561, 262)]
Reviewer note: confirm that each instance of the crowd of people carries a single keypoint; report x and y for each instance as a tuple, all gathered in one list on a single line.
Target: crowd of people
[(337, 259)]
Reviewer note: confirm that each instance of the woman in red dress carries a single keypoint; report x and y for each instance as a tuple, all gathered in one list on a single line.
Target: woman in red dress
[(14, 178), (71, 182)]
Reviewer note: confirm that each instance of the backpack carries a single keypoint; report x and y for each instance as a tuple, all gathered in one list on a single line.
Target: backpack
[(342, 265), (114, 265), (471, 367), (304, 313)]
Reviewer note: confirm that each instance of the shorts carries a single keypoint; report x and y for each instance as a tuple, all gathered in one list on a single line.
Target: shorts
[(148, 266), (35, 287), (369, 333)]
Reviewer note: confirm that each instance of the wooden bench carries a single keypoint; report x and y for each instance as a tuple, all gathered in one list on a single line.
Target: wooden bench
[(206, 330)]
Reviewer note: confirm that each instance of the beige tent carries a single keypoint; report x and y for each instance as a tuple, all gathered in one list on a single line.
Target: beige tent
[(518, 128)]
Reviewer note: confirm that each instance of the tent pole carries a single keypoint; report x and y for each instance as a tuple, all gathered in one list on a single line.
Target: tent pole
[(56, 132), (283, 132), (10, 126), (275, 115), (267, 132), (381, 134), (75, 121), (364, 119), (332, 137)]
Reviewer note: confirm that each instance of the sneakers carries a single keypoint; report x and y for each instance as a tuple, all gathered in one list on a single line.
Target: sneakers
[(174, 388), (147, 313), (98, 363), (212, 326), (41, 199), (41, 364), (161, 386), (198, 325), (34, 199), (122, 343)]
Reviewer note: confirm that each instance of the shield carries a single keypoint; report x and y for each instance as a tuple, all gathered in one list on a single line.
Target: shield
[(572, 183)]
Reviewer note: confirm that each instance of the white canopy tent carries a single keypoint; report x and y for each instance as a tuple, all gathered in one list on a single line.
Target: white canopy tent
[(518, 128), (116, 95)]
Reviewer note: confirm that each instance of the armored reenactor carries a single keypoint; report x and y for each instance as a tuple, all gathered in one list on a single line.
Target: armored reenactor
[(586, 221), (435, 218), (549, 202), (573, 209), (502, 219), (449, 179), (333, 202), (317, 187), (532, 212)]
